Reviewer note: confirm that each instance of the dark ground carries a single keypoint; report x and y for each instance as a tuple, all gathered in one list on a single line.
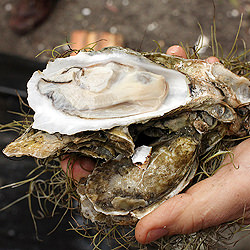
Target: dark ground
[(140, 22)]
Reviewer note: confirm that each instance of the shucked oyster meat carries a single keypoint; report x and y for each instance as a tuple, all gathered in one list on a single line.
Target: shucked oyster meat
[(146, 116), (101, 90)]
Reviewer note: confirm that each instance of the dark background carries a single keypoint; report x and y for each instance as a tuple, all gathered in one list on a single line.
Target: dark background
[(140, 22)]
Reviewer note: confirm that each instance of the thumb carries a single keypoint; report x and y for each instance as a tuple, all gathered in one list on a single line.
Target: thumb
[(213, 201)]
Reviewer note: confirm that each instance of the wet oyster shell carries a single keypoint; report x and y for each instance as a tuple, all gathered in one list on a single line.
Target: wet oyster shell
[(53, 91), (45, 93), (133, 192), (149, 152)]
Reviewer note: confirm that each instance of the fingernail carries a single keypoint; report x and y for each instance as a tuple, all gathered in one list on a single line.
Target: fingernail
[(155, 234)]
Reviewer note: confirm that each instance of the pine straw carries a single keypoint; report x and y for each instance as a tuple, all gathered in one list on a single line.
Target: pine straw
[(49, 184)]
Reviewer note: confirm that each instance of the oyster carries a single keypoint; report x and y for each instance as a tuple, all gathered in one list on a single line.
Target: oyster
[(101, 90), (146, 116)]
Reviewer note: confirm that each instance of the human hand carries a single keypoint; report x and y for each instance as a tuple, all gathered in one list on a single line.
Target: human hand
[(77, 168), (221, 198), (177, 50)]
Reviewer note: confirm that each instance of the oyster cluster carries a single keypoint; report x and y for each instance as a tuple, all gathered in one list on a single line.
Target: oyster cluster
[(147, 117)]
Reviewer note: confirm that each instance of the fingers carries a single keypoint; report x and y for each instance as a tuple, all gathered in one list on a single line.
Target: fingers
[(218, 199), (78, 168), (212, 59), (176, 50), (210, 205)]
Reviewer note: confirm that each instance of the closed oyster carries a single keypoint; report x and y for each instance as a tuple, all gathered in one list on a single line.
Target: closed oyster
[(146, 116)]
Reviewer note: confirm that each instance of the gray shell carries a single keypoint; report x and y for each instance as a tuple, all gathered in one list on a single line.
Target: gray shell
[(145, 157)]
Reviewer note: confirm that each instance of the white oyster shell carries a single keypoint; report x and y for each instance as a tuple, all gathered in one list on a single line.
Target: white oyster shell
[(144, 164), (45, 89)]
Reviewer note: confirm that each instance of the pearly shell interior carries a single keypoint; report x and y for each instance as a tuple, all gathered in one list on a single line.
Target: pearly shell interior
[(102, 90)]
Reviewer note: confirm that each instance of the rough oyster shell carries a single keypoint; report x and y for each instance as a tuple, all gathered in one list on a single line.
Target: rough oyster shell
[(134, 192), (200, 105)]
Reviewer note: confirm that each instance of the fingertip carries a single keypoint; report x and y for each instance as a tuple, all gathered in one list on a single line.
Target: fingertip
[(144, 235), (162, 220), (82, 168), (87, 163), (140, 232), (176, 50), (212, 59), (78, 168)]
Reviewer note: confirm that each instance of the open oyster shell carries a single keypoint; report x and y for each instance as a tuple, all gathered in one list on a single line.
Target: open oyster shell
[(146, 116), (101, 90)]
